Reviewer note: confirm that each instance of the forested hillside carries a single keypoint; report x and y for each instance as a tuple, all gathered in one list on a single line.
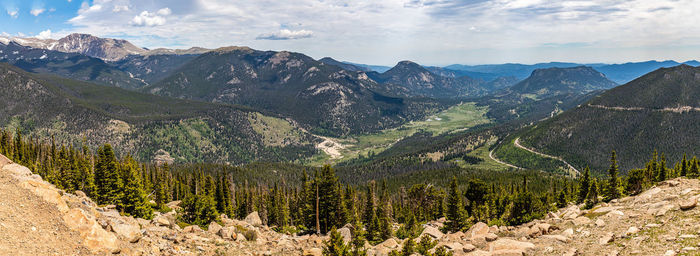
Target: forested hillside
[(142, 124), (658, 111)]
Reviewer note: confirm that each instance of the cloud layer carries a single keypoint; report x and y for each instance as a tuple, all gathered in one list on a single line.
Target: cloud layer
[(429, 31)]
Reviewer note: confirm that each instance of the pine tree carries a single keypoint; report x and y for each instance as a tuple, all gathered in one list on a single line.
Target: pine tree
[(694, 170), (584, 184), (684, 166), (107, 178), (425, 244), (335, 246), (662, 172), (612, 189), (370, 215), (592, 197), (134, 200), (358, 239), (455, 209)]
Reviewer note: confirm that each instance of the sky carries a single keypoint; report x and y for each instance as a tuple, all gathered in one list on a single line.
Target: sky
[(430, 32)]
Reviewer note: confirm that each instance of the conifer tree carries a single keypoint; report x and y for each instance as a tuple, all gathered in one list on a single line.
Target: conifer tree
[(134, 200), (455, 208), (662, 172), (335, 246), (592, 197), (584, 184), (694, 170), (358, 238), (107, 178), (684, 167), (425, 244), (612, 187)]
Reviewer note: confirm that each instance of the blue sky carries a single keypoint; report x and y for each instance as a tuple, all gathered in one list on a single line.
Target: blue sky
[(431, 32)]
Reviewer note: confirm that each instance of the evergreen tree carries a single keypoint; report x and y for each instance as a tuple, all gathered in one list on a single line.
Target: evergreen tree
[(684, 167), (635, 181), (592, 197), (612, 189), (134, 200), (335, 246), (584, 184), (694, 170), (561, 199), (358, 239), (107, 178), (425, 244), (662, 172), (455, 210)]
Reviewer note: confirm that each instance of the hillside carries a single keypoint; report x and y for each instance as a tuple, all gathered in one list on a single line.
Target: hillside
[(343, 65), (658, 111), (70, 65), (143, 124), (102, 48), (410, 79), (323, 98), (546, 92)]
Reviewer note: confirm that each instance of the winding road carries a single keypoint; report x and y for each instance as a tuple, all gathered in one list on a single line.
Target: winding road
[(571, 167)]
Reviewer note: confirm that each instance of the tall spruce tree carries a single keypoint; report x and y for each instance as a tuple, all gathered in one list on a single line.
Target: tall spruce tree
[(684, 166), (456, 216), (584, 184), (592, 197), (134, 200), (612, 190), (107, 180)]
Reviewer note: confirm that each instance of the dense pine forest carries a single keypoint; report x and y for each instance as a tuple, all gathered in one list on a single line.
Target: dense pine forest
[(297, 199)]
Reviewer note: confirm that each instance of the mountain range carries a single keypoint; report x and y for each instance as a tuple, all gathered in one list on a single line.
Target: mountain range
[(658, 111)]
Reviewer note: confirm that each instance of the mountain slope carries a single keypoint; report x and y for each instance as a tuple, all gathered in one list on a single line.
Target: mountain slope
[(152, 68), (657, 111), (343, 65), (546, 92), (410, 79), (321, 97), (103, 48), (143, 124), (70, 65)]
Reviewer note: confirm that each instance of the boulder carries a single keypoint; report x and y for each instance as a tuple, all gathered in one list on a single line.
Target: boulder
[(227, 233), (161, 221), (433, 232), (571, 213), (214, 227), (572, 252), (192, 229), (389, 243), (689, 204), (599, 223), (568, 233), (312, 252), (346, 234), (581, 221), (509, 244), (126, 228), (478, 229), (468, 248), (44, 190), (454, 247), (631, 231), (558, 238), (490, 237), (606, 239), (93, 236), (253, 219)]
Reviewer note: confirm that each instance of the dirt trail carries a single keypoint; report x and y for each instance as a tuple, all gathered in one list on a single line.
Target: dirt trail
[(503, 163), (31, 226), (517, 144)]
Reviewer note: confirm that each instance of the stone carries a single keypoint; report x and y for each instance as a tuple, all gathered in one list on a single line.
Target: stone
[(478, 229), (507, 253), (455, 247), (493, 229), (606, 239), (670, 183), (433, 232), (581, 221), (568, 233), (346, 234), (670, 253), (689, 249), (490, 237), (227, 233), (454, 237), (192, 229), (534, 232), (389, 243), (688, 236), (689, 204), (44, 190), (214, 227), (94, 237), (631, 231), (80, 193), (558, 238), (571, 213), (161, 221), (603, 210), (126, 228), (545, 228), (253, 219), (312, 252), (599, 223), (468, 248), (509, 244), (572, 252)]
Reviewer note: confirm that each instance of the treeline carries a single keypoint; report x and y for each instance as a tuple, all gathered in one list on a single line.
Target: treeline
[(315, 200)]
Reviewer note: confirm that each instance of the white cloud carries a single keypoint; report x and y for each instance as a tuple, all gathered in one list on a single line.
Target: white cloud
[(286, 34), (429, 31), (36, 12), (120, 8), (149, 19), (14, 13), (46, 34)]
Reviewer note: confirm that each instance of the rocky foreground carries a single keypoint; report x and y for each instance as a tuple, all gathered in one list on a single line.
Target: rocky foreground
[(38, 219)]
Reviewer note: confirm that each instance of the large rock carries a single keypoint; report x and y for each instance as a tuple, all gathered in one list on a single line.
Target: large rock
[(214, 227), (606, 239), (161, 221), (508, 245), (253, 219), (94, 237), (389, 243), (571, 213), (581, 221), (126, 228), (312, 252), (44, 190), (346, 234), (433, 232), (192, 229), (559, 238), (477, 230), (227, 233), (689, 204)]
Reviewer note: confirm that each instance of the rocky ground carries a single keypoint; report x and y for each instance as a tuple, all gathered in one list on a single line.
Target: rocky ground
[(38, 219)]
